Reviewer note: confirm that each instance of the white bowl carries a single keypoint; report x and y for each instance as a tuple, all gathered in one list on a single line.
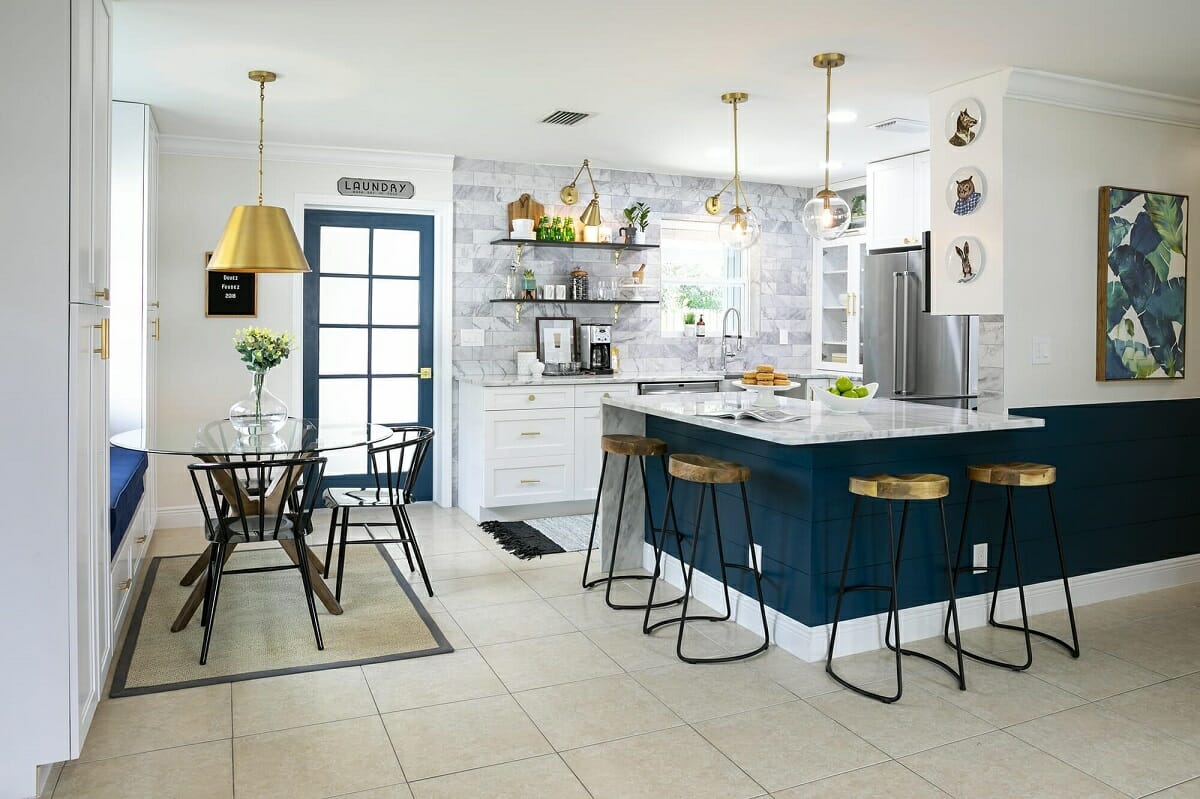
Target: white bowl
[(840, 404)]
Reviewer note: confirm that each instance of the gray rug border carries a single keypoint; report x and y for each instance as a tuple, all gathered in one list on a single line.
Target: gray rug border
[(121, 674)]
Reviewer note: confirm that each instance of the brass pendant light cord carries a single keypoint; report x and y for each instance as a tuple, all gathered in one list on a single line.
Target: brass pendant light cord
[(828, 81), (262, 94), (737, 181)]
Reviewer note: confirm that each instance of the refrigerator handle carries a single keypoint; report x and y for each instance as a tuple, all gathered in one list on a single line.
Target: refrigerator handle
[(899, 353)]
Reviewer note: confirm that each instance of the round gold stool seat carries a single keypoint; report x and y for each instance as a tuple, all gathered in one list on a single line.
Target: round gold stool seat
[(901, 486), (623, 444), (1018, 475)]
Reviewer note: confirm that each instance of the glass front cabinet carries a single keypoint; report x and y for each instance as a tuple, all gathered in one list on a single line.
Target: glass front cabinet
[(837, 301)]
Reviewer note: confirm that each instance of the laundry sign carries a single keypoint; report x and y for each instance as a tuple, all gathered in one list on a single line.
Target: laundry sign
[(375, 187)]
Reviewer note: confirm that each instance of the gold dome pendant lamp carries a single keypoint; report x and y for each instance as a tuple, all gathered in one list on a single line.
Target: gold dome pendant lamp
[(826, 216), (590, 218), (740, 228), (259, 238)]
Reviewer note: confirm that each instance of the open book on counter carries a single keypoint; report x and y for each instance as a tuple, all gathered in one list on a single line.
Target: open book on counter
[(760, 414)]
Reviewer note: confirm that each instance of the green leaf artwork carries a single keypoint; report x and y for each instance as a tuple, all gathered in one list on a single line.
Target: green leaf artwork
[(1143, 285)]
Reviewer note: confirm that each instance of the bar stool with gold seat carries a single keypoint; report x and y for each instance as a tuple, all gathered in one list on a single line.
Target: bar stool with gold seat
[(708, 473), (903, 488), (1011, 476), (629, 446)]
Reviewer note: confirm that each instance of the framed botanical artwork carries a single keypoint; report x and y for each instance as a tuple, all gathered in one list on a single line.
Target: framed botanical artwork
[(555, 339), (233, 294), (1141, 313)]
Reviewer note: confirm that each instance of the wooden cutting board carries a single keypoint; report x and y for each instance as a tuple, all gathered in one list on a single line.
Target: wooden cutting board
[(524, 207)]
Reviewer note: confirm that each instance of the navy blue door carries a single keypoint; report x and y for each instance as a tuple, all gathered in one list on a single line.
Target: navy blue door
[(368, 327)]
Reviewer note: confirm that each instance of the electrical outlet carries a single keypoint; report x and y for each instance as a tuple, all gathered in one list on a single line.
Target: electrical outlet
[(783, 335), (472, 337), (755, 557), (979, 557), (1040, 355)]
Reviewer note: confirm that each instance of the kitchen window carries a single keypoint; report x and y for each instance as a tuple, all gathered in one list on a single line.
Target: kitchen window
[(701, 276)]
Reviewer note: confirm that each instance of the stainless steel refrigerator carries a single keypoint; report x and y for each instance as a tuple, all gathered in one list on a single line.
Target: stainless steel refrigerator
[(913, 354)]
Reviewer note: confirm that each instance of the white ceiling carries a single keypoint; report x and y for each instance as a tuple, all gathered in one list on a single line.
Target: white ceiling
[(473, 77)]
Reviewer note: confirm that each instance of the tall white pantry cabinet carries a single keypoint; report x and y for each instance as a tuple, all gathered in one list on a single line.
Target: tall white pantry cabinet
[(55, 73)]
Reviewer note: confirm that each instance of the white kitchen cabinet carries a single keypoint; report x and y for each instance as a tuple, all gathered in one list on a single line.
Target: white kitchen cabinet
[(898, 197), (91, 100), (837, 304), (540, 444)]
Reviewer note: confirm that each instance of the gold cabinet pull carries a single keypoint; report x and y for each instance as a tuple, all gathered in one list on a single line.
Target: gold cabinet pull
[(529, 482), (102, 294), (157, 330), (102, 350), (532, 397), (141, 539), (607, 395), (125, 584), (531, 433)]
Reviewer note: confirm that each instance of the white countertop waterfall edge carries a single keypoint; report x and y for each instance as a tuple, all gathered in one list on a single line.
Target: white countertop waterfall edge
[(879, 419), (498, 380)]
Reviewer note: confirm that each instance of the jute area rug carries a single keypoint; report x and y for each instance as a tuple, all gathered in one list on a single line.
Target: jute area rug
[(262, 624)]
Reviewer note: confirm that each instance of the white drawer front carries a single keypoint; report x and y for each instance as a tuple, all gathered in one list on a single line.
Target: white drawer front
[(121, 570), (528, 480), (523, 397), (588, 455), (520, 434), (593, 396)]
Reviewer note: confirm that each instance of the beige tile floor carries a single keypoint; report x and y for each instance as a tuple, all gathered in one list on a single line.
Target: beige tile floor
[(550, 694)]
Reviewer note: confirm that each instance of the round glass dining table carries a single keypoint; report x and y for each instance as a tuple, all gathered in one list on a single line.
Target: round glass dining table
[(213, 441), (218, 438)]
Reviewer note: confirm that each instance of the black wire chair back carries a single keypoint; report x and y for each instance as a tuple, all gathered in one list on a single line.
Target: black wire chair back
[(395, 465), (257, 500)]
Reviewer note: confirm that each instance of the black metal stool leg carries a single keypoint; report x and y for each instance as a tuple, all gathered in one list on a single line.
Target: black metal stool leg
[(756, 568), (953, 613), (721, 553), (841, 593), (957, 567), (688, 570), (587, 560), (660, 545), (1073, 648)]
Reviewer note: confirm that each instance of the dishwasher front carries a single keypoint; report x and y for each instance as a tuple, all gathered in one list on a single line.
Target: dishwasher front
[(680, 387)]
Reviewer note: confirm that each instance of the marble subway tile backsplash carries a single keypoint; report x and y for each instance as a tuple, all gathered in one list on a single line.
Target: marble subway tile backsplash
[(482, 191)]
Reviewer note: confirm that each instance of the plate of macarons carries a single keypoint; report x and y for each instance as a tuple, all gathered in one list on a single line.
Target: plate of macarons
[(766, 380)]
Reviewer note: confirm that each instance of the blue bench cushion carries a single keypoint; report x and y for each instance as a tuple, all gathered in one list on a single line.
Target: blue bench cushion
[(126, 477)]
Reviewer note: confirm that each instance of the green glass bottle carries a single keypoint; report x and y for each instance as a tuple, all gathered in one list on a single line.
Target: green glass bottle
[(556, 232), (543, 229), (568, 229)]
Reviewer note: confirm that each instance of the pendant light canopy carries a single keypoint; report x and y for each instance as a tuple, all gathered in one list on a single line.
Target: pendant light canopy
[(259, 238), (740, 228), (570, 195), (826, 216)]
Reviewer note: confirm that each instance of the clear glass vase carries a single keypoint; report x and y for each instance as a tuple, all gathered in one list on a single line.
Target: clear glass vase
[(259, 413)]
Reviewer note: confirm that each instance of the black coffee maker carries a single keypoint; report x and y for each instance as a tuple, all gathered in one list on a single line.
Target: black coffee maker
[(595, 348)]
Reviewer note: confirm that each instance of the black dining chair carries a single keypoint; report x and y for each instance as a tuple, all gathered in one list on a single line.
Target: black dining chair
[(394, 466), (249, 501)]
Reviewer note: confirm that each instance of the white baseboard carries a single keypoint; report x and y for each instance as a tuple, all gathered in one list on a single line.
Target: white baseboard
[(171, 517), (865, 634)]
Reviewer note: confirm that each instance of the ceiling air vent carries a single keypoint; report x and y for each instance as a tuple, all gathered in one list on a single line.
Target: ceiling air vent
[(567, 118), (901, 125)]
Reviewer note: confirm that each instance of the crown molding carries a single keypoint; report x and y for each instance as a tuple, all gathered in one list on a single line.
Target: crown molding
[(1102, 98), (304, 153)]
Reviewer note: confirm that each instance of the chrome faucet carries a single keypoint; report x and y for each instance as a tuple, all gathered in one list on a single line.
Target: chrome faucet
[(730, 352)]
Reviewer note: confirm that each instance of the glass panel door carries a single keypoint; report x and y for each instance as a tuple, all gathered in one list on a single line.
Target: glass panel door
[(368, 327)]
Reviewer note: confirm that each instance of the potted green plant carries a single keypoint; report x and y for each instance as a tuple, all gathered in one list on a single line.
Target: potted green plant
[(638, 217), (689, 323), (858, 210), (529, 285)]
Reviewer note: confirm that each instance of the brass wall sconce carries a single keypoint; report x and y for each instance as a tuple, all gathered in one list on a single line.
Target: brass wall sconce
[(570, 195)]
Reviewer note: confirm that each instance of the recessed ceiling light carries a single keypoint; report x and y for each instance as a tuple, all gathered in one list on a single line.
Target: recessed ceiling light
[(831, 165), (716, 152), (843, 115)]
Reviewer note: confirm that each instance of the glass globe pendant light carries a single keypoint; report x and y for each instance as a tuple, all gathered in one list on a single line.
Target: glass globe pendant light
[(740, 228), (826, 216)]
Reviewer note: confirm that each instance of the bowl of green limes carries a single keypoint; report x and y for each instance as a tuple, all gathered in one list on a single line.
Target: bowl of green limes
[(845, 396)]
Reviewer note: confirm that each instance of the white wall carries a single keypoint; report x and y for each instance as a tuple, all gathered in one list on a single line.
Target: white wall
[(199, 373), (1055, 161)]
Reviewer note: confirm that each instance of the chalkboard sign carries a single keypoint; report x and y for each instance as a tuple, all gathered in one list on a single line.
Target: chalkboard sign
[(230, 293)]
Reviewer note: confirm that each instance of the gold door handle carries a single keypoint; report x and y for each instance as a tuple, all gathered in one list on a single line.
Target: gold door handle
[(529, 482), (157, 330), (425, 373), (125, 584), (532, 433), (102, 350), (102, 294), (152, 305)]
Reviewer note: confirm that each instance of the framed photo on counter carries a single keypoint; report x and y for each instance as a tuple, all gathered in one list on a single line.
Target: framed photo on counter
[(555, 339)]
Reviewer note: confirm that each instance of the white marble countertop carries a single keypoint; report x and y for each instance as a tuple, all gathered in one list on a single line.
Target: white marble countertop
[(879, 419), (623, 377)]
